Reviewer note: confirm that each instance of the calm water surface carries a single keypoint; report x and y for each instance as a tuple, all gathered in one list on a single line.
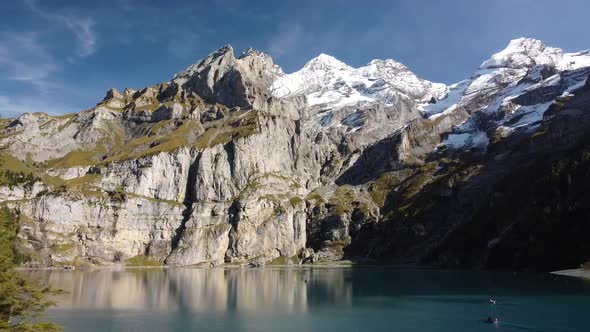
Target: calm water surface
[(316, 299)]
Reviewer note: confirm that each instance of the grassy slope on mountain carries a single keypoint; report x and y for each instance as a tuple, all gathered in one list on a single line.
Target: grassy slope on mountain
[(162, 136), (152, 138)]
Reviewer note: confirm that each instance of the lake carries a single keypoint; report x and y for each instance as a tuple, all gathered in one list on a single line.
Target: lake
[(315, 299)]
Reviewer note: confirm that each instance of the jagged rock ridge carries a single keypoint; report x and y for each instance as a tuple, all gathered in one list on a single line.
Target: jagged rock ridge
[(233, 161)]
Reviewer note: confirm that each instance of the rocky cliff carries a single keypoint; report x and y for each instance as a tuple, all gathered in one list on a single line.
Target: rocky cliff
[(232, 161)]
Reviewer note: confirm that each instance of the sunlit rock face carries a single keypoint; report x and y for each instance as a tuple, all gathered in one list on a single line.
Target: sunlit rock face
[(233, 161)]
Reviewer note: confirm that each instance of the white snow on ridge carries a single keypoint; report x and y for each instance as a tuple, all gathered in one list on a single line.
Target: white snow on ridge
[(577, 60), (528, 52), (524, 52), (318, 71), (484, 82), (520, 68), (448, 103), (527, 116), (457, 140), (514, 91), (468, 136), (329, 82), (502, 73)]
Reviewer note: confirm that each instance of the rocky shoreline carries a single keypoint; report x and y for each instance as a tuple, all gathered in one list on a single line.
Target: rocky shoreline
[(334, 264)]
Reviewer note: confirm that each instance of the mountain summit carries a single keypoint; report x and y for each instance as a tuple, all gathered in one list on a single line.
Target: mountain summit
[(233, 161), (527, 52), (330, 83)]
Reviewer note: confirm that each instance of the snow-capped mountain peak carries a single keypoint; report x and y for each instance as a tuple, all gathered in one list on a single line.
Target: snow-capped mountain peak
[(326, 62), (512, 90), (330, 83), (527, 53), (524, 52), (388, 63)]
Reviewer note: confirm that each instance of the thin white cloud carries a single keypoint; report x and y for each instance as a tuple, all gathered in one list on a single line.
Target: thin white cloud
[(82, 27), (26, 58), (84, 33), (23, 58)]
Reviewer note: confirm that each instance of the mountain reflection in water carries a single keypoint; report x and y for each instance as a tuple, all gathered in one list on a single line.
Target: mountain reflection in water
[(315, 299), (195, 289)]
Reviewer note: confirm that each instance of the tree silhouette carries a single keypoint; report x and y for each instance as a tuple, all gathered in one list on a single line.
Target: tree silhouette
[(22, 301)]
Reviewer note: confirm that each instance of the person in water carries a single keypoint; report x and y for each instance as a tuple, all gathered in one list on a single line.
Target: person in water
[(492, 321), (495, 319)]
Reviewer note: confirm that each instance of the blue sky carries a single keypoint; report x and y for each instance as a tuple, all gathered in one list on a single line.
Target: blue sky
[(60, 56)]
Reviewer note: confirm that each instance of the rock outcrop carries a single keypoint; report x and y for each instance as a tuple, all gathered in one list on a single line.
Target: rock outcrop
[(234, 162)]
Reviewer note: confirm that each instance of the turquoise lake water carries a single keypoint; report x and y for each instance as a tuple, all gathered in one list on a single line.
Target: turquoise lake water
[(316, 299)]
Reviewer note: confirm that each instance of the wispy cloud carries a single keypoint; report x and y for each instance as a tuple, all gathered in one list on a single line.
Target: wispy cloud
[(82, 27), (84, 34), (27, 58), (24, 59)]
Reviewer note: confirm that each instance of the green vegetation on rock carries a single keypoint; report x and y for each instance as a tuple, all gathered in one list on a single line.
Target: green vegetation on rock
[(141, 260), (316, 197), (148, 145), (276, 202), (385, 184), (12, 164), (342, 200), (296, 201), (284, 260), (238, 126), (13, 179), (62, 248), (78, 158), (151, 199)]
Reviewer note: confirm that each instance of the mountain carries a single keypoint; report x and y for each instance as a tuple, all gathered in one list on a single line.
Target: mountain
[(233, 161), (515, 87), (330, 83)]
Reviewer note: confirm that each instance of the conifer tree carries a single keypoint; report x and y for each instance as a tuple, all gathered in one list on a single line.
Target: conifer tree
[(22, 301)]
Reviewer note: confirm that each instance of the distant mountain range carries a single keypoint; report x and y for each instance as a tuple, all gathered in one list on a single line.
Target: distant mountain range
[(233, 161)]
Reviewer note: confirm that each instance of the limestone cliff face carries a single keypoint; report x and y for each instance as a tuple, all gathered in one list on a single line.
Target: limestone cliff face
[(205, 169), (65, 228), (234, 162)]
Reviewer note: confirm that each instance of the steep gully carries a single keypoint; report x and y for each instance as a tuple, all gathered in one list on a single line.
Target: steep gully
[(189, 201)]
